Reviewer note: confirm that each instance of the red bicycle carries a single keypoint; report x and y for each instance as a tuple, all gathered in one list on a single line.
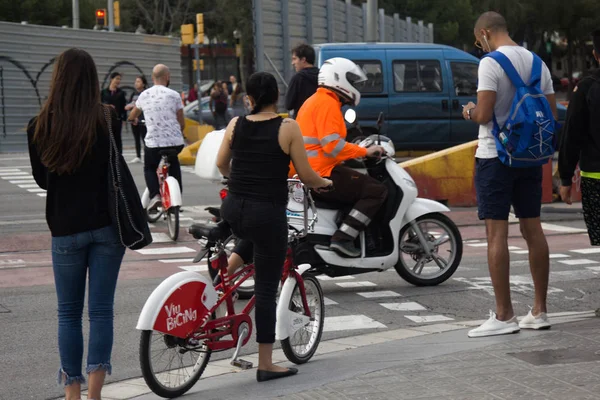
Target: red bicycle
[(186, 319), (170, 195)]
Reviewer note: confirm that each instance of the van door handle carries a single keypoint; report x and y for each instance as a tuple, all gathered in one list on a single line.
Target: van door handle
[(455, 104), (444, 105)]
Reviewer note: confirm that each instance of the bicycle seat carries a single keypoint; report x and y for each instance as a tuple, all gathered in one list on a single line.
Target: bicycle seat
[(168, 153), (211, 232)]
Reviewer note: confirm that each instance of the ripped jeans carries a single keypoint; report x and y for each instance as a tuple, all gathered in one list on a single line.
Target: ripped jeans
[(100, 253)]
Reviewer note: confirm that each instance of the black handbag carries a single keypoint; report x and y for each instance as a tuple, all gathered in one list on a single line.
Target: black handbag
[(124, 204)]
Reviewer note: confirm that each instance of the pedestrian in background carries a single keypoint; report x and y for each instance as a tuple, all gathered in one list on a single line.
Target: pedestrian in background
[(304, 83), (139, 129), (115, 96), (193, 94), (218, 105), (69, 154), (499, 186), (580, 143)]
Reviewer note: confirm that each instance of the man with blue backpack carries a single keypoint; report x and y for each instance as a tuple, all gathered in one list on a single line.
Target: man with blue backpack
[(516, 111)]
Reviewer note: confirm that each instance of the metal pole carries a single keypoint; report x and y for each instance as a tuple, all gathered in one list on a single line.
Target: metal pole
[(259, 41), (111, 16), (349, 35), (285, 27), (2, 97), (382, 25), (371, 20), (197, 57), (276, 70), (75, 14)]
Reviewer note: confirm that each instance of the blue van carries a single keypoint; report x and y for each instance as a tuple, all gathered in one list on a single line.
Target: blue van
[(419, 87)]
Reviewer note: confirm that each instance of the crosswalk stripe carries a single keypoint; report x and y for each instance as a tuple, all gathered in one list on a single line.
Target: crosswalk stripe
[(350, 322), (428, 318), (165, 250), (407, 306), (355, 284)]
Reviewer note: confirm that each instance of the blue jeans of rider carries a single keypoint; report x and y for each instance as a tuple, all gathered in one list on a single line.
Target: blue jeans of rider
[(99, 253)]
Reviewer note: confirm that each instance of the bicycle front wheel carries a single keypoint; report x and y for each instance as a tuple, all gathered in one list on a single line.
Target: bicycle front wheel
[(171, 366), (173, 222), (302, 344)]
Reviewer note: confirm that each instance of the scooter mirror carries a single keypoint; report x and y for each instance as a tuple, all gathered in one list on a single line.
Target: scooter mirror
[(350, 116)]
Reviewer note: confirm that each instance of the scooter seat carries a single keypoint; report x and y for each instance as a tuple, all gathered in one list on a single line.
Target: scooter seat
[(211, 232), (330, 205)]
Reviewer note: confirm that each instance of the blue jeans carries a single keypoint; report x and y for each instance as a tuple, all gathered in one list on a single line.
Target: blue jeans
[(100, 252)]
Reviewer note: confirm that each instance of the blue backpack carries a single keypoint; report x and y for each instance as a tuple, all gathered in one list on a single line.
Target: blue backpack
[(528, 137)]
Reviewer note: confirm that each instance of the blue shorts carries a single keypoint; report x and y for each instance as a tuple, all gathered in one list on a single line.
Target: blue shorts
[(499, 186)]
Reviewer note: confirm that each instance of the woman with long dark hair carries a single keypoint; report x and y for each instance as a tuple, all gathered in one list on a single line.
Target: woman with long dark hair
[(255, 154), (69, 153), (139, 129), (114, 96)]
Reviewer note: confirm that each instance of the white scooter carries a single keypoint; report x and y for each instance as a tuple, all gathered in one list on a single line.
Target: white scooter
[(409, 233)]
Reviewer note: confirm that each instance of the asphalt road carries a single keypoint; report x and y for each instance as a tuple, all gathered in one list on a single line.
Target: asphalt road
[(360, 304)]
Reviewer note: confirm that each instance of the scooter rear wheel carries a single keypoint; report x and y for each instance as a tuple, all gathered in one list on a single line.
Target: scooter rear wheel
[(414, 266)]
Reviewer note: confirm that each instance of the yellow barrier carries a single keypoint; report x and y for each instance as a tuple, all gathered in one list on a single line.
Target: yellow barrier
[(446, 175)]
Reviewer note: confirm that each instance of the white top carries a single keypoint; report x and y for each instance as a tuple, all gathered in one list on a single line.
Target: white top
[(160, 105), (493, 78)]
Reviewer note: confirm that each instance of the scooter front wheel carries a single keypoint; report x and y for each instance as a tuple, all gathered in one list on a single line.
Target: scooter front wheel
[(445, 241)]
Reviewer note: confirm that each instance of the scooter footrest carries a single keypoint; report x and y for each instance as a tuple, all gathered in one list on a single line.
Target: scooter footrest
[(243, 364)]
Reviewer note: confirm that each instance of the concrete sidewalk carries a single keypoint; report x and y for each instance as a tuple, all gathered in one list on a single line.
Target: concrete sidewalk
[(435, 362)]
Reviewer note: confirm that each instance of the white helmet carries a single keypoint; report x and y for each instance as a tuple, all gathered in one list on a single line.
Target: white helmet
[(341, 75)]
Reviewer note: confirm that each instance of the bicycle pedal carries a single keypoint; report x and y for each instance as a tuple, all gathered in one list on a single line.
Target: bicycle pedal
[(243, 364)]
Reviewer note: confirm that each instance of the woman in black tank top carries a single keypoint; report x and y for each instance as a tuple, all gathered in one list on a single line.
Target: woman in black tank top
[(255, 155)]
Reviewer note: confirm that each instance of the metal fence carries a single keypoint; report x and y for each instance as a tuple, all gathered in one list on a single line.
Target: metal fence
[(281, 24), (27, 53)]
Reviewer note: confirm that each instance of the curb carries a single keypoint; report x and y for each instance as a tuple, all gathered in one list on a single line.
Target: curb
[(131, 388)]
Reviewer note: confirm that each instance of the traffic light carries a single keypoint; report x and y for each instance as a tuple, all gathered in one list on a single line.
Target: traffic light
[(200, 27), (101, 17), (201, 65), (117, 13), (187, 34)]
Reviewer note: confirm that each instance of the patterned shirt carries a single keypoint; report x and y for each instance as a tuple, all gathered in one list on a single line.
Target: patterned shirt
[(160, 105)]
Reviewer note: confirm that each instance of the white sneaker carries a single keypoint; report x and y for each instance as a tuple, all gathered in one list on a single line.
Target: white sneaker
[(136, 160), (535, 322), (493, 327), (154, 203)]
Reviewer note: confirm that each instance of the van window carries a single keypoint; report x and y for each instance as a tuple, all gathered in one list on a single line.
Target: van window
[(418, 76), (374, 71), (464, 76)]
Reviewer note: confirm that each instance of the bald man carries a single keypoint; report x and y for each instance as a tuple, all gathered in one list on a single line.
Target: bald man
[(499, 186), (163, 111)]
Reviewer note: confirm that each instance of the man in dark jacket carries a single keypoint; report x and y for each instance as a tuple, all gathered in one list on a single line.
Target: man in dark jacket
[(580, 143), (304, 83)]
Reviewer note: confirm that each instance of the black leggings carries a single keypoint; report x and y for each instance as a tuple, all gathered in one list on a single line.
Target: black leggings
[(264, 224), (139, 133)]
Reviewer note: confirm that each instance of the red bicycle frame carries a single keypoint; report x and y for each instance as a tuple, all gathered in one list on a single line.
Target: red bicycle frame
[(215, 329), (162, 172)]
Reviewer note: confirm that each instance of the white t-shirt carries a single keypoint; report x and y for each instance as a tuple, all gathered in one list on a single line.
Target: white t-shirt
[(160, 105), (493, 78)]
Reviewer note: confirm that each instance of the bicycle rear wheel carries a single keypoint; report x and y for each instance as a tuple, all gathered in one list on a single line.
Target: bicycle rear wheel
[(169, 365), (302, 344), (173, 222)]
